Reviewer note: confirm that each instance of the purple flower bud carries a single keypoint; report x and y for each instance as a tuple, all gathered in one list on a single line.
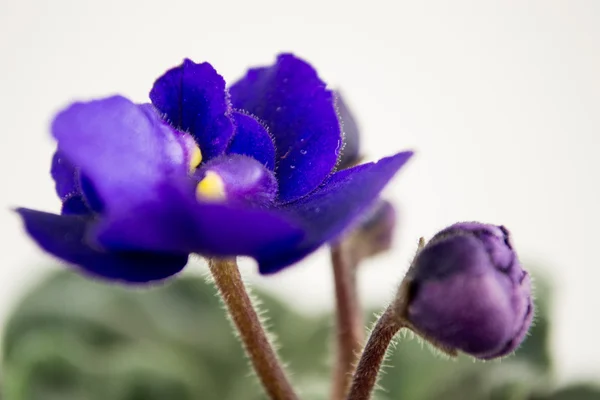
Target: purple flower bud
[(376, 232), (467, 291)]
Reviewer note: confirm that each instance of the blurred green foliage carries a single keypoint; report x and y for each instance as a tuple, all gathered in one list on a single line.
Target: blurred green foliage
[(76, 339)]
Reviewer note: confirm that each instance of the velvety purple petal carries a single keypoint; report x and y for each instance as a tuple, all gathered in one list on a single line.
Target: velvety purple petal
[(175, 221), (253, 140), (90, 195), (64, 175), (299, 111), (350, 153), (193, 98), (180, 140), (75, 205), (64, 236), (69, 186), (333, 208), (123, 151)]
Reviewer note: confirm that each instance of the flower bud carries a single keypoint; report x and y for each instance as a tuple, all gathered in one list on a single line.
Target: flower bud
[(467, 291), (374, 235)]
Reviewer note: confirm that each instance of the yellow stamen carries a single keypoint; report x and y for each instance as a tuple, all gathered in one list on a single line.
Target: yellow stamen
[(211, 187), (196, 158)]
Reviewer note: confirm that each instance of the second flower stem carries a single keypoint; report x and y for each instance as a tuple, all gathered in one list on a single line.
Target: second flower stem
[(349, 319), (252, 334)]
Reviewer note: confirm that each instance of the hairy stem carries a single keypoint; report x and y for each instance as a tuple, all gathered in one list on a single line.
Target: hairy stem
[(260, 351), (389, 324), (365, 376), (349, 319)]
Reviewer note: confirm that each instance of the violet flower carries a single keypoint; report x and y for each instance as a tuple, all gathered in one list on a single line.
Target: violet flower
[(468, 291), (246, 171)]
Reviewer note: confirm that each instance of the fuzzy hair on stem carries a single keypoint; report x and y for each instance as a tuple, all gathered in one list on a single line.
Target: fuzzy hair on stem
[(349, 320), (247, 323)]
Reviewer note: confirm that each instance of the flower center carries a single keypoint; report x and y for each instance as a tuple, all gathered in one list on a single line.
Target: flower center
[(195, 158), (211, 187), (236, 178)]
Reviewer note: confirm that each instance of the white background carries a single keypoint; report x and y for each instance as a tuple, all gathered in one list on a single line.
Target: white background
[(500, 100)]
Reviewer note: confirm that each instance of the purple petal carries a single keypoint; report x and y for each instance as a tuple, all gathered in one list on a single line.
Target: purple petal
[(64, 175), (90, 195), (333, 208), (350, 154), (182, 140), (299, 111), (175, 222), (124, 151), (193, 98), (68, 186), (253, 140), (75, 205), (65, 237)]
